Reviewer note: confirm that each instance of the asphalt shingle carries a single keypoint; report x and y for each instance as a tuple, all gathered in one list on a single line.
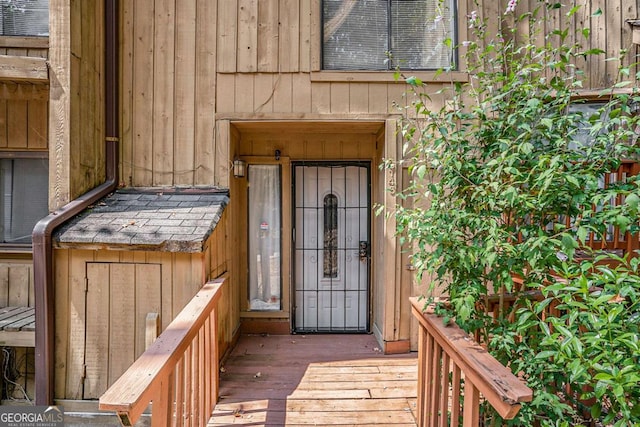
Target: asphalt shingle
[(175, 220)]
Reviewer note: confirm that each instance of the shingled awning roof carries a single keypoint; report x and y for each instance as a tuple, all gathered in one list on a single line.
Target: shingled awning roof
[(152, 219)]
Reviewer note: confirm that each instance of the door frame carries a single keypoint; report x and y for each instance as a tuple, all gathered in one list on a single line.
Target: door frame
[(292, 198)]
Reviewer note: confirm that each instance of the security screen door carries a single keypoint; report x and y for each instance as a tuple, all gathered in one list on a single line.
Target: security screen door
[(331, 247)]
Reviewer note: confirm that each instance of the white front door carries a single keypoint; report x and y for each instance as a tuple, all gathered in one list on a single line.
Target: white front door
[(331, 247)]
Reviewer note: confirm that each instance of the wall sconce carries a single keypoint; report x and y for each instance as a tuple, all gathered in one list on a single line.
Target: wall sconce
[(277, 153), (239, 168)]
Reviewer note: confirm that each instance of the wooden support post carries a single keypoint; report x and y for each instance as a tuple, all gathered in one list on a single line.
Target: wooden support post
[(152, 329), (162, 410), (422, 364), (471, 406)]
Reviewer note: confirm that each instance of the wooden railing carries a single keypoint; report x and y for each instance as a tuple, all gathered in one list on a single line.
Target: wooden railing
[(451, 365), (178, 373)]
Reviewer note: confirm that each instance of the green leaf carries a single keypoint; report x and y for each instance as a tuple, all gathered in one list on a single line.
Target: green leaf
[(598, 12), (633, 201), (547, 354), (594, 51), (413, 81), (596, 410), (582, 234), (622, 84), (573, 11), (603, 376)]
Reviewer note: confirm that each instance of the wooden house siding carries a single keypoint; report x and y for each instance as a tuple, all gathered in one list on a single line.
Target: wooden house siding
[(168, 85), (180, 72), (23, 103), (16, 284), (76, 108), (103, 297), (186, 84)]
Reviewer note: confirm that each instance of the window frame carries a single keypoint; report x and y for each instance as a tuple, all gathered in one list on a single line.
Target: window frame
[(12, 155), (458, 33)]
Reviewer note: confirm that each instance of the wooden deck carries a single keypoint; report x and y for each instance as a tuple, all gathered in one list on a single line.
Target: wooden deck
[(315, 380), (17, 326)]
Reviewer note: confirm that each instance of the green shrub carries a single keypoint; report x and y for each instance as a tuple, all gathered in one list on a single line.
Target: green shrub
[(491, 173)]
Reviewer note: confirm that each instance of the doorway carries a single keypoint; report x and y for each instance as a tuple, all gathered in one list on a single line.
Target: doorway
[(331, 247)]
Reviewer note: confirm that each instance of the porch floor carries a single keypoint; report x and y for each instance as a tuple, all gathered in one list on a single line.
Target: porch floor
[(278, 380)]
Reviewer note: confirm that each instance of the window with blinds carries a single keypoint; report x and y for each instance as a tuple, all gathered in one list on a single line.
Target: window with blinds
[(24, 191), (388, 34), (24, 18)]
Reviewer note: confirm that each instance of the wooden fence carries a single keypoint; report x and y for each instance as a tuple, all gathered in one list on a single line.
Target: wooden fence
[(451, 366), (178, 373)]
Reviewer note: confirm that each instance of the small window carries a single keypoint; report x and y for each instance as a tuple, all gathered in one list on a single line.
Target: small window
[(388, 34), (330, 265), (24, 192), (265, 238), (583, 137), (24, 17)]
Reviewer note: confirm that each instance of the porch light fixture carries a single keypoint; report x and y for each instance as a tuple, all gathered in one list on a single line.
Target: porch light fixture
[(239, 168)]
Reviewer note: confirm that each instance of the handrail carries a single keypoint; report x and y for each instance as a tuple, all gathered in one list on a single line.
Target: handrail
[(450, 365), (178, 372)]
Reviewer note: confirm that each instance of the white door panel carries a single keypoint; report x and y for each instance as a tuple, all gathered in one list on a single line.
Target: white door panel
[(331, 220)]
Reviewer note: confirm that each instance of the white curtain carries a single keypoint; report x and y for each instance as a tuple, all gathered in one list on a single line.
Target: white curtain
[(264, 237)]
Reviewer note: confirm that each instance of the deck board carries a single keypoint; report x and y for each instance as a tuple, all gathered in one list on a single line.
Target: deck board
[(303, 380)]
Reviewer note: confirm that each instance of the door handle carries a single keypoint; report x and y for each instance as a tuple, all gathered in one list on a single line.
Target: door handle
[(363, 250)]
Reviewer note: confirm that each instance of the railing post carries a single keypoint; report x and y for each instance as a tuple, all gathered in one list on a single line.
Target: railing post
[(471, 408), (422, 364), (181, 366), (446, 350), (216, 362), (162, 408), (208, 363)]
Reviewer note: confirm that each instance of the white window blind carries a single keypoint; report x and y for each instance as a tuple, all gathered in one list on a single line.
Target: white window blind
[(386, 34), (24, 17)]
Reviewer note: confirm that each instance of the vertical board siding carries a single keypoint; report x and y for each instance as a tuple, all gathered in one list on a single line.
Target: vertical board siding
[(164, 63), (121, 306), (247, 36), (305, 36), (168, 71), (258, 58), (205, 81), (609, 32), (97, 326), (227, 35), (77, 99), (289, 39), (126, 91), (17, 124), (143, 84), (185, 94), (103, 327), (16, 284), (268, 36), (87, 74)]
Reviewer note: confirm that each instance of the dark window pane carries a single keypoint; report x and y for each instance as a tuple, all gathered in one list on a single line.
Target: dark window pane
[(355, 35), (360, 34), (419, 29), (330, 266), (25, 17), (24, 188)]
